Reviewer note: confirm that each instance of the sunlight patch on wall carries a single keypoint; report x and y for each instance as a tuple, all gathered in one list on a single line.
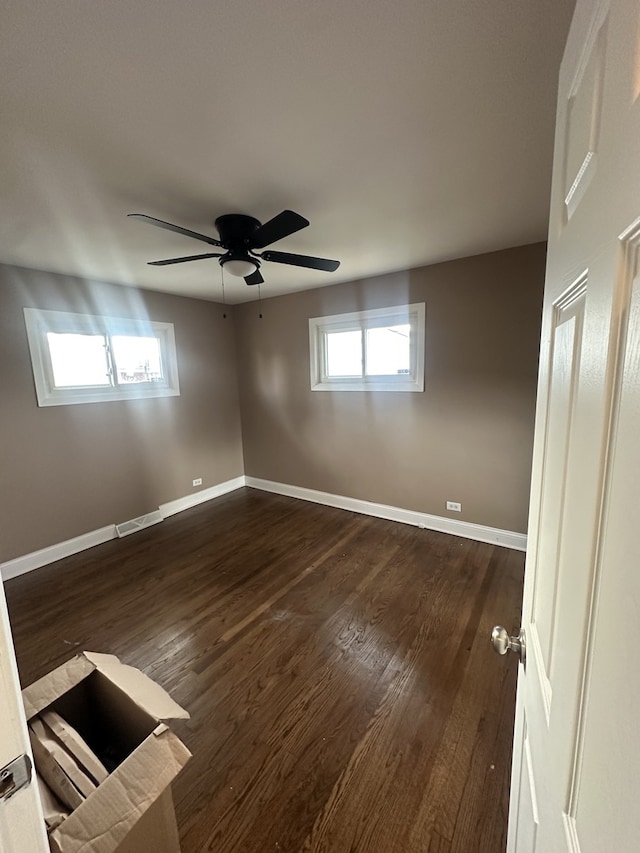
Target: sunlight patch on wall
[(636, 75)]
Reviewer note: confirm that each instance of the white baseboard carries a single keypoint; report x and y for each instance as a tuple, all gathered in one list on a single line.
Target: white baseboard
[(466, 529), (200, 497), (37, 559)]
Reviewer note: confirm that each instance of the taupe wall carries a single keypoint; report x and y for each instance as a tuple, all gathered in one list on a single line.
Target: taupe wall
[(67, 470), (467, 438)]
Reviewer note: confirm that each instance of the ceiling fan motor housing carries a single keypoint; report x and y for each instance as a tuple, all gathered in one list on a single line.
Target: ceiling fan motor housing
[(236, 230)]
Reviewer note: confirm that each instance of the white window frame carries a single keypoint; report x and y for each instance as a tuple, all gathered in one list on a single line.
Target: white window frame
[(40, 322), (320, 327)]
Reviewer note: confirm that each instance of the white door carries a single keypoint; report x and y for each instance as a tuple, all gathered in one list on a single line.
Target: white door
[(21, 822), (576, 764)]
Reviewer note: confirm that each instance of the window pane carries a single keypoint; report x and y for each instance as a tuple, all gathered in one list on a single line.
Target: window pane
[(78, 360), (136, 359), (344, 353), (388, 350)]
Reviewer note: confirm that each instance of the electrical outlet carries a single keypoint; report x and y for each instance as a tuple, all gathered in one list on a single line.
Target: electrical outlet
[(454, 505), (198, 482)]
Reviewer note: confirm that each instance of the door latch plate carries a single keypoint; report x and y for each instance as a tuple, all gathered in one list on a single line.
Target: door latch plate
[(15, 776)]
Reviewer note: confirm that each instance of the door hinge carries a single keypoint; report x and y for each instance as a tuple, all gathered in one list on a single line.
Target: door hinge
[(14, 776)]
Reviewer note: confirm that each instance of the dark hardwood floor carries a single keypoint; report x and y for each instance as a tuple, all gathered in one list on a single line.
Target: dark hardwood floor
[(343, 693)]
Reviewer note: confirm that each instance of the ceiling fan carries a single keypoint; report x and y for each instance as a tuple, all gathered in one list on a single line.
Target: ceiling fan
[(240, 236)]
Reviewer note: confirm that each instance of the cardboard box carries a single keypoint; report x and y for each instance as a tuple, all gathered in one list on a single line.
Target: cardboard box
[(156, 831), (121, 714)]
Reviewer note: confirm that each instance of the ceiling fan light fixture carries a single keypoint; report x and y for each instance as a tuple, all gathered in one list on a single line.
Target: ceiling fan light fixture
[(239, 267)]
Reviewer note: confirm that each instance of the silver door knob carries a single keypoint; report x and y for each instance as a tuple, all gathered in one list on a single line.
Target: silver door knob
[(502, 642)]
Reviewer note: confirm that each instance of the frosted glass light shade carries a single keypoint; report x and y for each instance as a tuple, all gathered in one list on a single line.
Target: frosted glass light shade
[(241, 267)]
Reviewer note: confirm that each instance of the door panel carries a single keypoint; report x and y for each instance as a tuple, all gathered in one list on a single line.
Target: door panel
[(575, 784), (527, 832), (563, 378), (605, 773), (584, 114), (21, 821)]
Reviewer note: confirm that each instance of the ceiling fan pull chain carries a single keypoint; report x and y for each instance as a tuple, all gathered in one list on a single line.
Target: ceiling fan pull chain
[(259, 304), (224, 300)]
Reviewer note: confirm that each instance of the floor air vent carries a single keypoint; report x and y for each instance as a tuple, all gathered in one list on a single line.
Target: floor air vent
[(140, 523)]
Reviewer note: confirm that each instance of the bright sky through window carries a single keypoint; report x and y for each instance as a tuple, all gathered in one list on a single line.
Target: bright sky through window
[(136, 359), (388, 350), (344, 354), (78, 360)]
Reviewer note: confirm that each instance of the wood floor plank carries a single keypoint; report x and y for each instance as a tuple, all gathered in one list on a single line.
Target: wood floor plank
[(405, 731), (342, 690), (300, 707), (482, 681)]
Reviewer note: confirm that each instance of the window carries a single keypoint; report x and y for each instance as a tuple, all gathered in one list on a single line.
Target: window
[(382, 348), (79, 358)]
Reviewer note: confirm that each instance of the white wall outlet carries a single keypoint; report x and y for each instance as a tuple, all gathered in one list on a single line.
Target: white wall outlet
[(454, 505), (198, 481)]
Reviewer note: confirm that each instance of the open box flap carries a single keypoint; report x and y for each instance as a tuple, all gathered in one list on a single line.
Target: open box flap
[(39, 695), (140, 688)]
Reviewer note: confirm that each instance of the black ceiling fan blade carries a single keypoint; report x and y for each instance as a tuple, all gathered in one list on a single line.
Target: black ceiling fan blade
[(301, 261), (160, 223), (254, 278), (188, 258), (280, 226)]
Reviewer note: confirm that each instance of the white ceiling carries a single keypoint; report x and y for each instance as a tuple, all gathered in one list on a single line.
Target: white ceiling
[(407, 132)]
